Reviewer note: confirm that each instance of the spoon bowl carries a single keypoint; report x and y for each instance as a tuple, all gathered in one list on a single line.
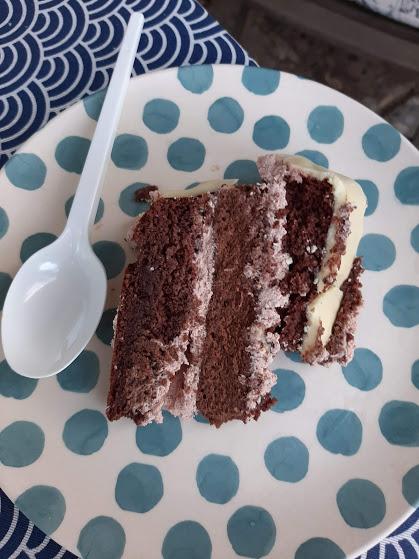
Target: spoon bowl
[(54, 316)]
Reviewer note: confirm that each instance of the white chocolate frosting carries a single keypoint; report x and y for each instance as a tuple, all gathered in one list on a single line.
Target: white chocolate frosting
[(322, 311)]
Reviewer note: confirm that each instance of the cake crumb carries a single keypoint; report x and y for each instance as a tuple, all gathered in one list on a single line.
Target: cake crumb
[(143, 194)]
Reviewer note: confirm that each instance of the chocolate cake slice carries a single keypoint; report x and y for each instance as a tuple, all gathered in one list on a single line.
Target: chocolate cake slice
[(196, 324), (223, 279)]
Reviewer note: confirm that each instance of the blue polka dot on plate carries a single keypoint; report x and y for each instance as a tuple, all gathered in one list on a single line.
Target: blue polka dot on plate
[(99, 212), (85, 432), (381, 142), (410, 486), (129, 152), (44, 505), (361, 503), (415, 374), (5, 282), (401, 305), (93, 103), (201, 419), (225, 115), (319, 548), (365, 371), (186, 154), (82, 374), (414, 238), (34, 243), (160, 439), (315, 157), (13, 385), (128, 203), (161, 115), (371, 193), (340, 432), (187, 540), (244, 170), (217, 478), (252, 532), (260, 81), (399, 423), (4, 223), (71, 153), (287, 459), (289, 390), (271, 132), (21, 444), (196, 79), (325, 124), (112, 256), (378, 252), (102, 538), (26, 170), (104, 331), (139, 487), (192, 185), (294, 356), (406, 186)]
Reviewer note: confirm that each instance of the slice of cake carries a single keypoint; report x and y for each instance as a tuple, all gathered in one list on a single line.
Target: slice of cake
[(225, 278)]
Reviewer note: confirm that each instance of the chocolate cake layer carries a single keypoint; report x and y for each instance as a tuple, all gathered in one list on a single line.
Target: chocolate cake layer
[(341, 345), (309, 213), (160, 316), (235, 380)]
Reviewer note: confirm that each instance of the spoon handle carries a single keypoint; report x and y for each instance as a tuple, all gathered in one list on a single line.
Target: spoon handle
[(87, 196)]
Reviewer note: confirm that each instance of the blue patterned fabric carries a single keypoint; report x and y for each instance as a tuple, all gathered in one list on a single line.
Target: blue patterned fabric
[(55, 52)]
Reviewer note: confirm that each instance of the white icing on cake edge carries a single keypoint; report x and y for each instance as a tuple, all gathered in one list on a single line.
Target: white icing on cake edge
[(322, 311)]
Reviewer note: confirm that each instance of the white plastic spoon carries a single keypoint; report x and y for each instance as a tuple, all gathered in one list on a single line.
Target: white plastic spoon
[(56, 300)]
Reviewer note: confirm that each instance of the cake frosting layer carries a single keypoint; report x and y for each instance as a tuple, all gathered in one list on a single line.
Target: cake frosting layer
[(337, 253)]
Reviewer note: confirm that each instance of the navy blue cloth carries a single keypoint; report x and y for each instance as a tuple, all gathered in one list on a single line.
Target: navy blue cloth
[(43, 72)]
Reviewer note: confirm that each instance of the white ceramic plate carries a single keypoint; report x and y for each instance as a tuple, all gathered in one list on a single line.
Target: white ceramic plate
[(334, 467)]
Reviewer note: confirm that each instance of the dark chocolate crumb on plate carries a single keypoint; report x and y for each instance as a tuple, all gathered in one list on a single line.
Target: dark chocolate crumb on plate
[(143, 194)]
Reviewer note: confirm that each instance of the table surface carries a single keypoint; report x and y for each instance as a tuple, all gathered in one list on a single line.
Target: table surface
[(55, 52)]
